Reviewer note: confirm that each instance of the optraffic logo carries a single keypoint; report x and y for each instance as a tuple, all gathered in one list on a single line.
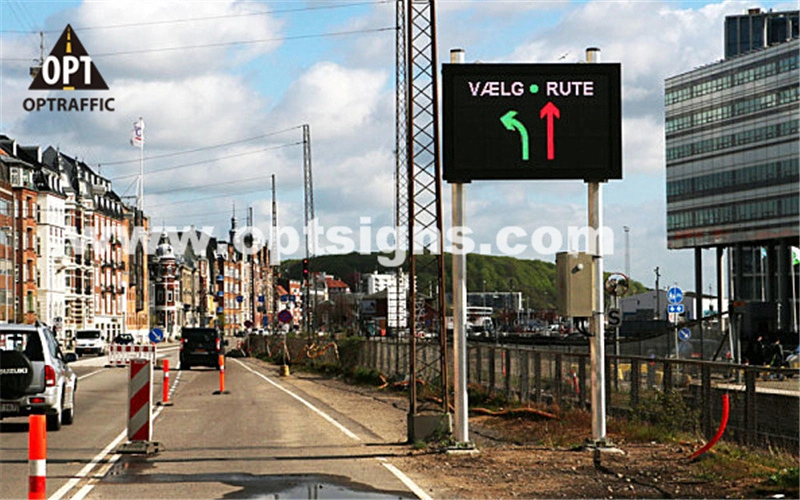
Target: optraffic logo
[(68, 67)]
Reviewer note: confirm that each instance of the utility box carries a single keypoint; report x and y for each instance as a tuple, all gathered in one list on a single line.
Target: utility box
[(575, 284)]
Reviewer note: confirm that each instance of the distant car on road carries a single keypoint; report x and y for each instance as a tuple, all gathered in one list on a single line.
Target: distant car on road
[(34, 376), (201, 346), (90, 341), (123, 339)]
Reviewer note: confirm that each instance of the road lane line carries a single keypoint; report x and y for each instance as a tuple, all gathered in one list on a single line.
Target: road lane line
[(313, 408), (411, 485), (84, 473), (92, 373)]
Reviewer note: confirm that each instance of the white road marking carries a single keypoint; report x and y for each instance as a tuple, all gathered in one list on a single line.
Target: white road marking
[(313, 408), (88, 467), (91, 373), (411, 485), (84, 473)]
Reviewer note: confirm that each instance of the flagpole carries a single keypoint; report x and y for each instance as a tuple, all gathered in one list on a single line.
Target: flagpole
[(794, 301), (141, 167), (141, 177)]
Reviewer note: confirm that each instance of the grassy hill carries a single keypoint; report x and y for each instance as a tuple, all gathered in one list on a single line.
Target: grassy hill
[(536, 279)]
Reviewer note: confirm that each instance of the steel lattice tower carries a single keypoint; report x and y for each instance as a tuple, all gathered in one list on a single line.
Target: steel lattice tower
[(308, 186), (424, 205), (397, 308)]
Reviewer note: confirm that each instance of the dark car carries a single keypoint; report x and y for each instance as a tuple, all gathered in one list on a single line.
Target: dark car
[(123, 339), (201, 346)]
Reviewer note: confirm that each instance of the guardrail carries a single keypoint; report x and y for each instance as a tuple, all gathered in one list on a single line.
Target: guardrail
[(763, 400)]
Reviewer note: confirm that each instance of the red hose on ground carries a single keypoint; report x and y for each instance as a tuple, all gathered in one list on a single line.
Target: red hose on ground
[(726, 406)]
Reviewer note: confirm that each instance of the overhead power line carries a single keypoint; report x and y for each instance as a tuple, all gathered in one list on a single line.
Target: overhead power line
[(204, 148), (206, 18), (245, 42), (210, 160)]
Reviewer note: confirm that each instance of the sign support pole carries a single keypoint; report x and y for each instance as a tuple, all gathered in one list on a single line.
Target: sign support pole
[(459, 305), (597, 346)]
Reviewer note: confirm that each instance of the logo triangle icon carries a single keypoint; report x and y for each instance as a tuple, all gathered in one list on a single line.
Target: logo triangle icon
[(68, 67)]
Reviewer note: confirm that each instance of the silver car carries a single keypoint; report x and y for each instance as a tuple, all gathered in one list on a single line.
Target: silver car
[(34, 375)]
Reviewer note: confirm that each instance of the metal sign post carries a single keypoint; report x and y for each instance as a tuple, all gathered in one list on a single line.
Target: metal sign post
[(597, 346), (459, 209)]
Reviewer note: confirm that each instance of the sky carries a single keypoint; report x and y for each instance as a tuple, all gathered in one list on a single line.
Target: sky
[(224, 88)]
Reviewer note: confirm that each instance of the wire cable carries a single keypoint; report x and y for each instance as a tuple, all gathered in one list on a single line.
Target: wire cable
[(209, 18), (204, 148)]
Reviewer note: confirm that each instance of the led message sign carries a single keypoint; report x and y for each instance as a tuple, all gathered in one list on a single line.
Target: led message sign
[(531, 121)]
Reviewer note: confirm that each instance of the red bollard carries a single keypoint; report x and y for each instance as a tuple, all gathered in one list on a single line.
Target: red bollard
[(37, 457), (221, 374), (165, 385)]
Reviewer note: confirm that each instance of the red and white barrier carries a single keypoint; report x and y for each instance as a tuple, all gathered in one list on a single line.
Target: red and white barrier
[(121, 355), (37, 457), (140, 395)]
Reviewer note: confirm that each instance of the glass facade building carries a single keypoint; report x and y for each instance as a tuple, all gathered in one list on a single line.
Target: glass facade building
[(756, 30), (733, 159)]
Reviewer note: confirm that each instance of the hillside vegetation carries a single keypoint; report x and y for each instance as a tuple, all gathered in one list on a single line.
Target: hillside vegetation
[(536, 279)]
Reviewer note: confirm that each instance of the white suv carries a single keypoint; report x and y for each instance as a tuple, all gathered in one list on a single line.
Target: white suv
[(34, 375), (90, 341)]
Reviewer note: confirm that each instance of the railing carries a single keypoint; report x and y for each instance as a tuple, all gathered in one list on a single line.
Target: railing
[(764, 401)]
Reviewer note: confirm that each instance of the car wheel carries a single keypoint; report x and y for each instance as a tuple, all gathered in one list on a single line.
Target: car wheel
[(68, 415), (186, 366), (54, 421)]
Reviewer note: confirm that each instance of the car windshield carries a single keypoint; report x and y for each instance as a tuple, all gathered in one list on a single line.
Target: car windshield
[(26, 342), (88, 334), (200, 335)]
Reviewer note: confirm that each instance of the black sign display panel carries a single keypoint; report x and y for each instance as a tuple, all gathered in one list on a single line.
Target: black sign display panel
[(531, 121)]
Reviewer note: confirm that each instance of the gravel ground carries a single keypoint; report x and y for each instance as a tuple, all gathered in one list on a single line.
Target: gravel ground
[(514, 462)]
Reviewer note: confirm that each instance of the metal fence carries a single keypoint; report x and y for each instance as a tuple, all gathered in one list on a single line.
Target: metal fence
[(764, 402)]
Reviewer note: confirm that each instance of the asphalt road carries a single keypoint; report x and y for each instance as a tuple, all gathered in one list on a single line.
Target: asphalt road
[(267, 437)]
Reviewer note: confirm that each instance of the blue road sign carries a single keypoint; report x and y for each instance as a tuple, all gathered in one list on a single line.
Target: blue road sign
[(675, 295), (675, 308), (684, 334), (156, 335)]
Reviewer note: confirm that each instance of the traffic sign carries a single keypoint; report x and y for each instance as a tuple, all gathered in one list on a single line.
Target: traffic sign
[(675, 295), (684, 334), (614, 318), (285, 316), (675, 308), (156, 335), (531, 121)]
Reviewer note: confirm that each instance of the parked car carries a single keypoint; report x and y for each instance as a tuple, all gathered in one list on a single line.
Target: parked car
[(201, 346), (90, 341), (123, 339), (34, 375)]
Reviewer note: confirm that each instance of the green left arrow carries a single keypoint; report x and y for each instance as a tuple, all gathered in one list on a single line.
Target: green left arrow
[(512, 123)]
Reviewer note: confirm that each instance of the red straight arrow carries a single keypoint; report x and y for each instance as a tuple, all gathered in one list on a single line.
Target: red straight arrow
[(550, 110)]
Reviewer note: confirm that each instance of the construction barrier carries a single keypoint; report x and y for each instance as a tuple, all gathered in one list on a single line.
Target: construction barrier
[(221, 362), (37, 457), (165, 386), (121, 355), (140, 394)]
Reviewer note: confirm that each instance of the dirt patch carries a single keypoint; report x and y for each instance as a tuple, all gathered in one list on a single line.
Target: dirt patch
[(532, 456)]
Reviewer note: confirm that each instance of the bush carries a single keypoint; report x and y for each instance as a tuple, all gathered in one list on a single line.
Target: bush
[(667, 411)]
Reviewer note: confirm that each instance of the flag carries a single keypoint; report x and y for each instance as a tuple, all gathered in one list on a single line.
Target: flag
[(795, 256), (137, 136)]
